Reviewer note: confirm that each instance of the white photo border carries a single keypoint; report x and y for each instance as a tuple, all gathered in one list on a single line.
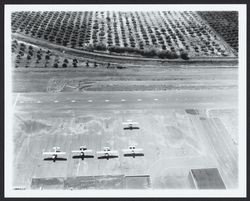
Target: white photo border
[(240, 192)]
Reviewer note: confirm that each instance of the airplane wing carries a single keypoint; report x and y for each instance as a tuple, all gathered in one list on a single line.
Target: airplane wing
[(101, 152), (48, 153), (107, 152), (113, 152), (130, 150), (130, 123), (52, 153), (76, 151), (79, 151), (135, 123), (87, 151), (60, 153), (125, 123)]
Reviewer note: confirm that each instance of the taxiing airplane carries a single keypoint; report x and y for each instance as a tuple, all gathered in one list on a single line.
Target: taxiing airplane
[(54, 154), (132, 152), (130, 125), (82, 153), (107, 153)]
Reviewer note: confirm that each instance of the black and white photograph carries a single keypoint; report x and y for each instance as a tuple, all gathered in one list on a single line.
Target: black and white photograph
[(125, 100)]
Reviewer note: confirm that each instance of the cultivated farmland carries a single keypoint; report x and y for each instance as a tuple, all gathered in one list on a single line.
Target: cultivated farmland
[(165, 34), (225, 23)]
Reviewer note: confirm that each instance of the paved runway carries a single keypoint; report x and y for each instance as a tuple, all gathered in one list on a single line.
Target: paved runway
[(127, 100)]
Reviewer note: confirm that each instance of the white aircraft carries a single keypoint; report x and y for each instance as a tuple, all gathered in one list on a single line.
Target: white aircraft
[(54, 154), (82, 153), (130, 125), (107, 153), (133, 152)]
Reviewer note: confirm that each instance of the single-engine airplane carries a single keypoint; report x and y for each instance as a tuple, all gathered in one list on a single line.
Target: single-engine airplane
[(82, 153), (54, 155), (132, 152), (107, 153), (130, 125)]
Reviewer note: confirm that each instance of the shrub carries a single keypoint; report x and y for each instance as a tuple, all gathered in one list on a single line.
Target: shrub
[(29, 57), (116, 49), (100, 46), (172, 55), (162, 54), (150, 52)]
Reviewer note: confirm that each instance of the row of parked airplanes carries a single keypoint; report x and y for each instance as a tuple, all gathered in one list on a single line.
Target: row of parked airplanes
[(107, 153), (83, 152)]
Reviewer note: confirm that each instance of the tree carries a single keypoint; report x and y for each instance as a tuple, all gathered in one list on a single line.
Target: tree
[(100, 46), (184, 55), (150, 52), (47, 57), (29, 57)]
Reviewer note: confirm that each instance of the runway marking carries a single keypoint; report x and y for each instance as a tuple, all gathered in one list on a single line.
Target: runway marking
[(156, 99), (106, 100), (56, 101), (123, 100), (73, 101), (138, 99), (90, 101), (21, 102), (38, 101), (16, 100)]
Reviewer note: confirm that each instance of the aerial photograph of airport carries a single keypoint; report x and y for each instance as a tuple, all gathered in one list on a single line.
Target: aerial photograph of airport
[(114, 99)]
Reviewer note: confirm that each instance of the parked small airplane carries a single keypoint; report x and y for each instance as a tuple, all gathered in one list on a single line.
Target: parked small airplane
[(54, 155), (107, 153), (82, 153), (132, 152), (130, 125)]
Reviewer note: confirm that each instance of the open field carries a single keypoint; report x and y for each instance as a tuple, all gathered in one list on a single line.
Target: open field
[(132, 79), (175, 137)]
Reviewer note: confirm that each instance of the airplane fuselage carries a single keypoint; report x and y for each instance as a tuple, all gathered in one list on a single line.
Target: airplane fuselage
[(54, 157)]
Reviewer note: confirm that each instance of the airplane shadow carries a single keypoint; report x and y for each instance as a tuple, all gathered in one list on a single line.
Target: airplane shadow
[(130, 128), (133, 155), (57, 159), (82, 157), (107, 157)]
